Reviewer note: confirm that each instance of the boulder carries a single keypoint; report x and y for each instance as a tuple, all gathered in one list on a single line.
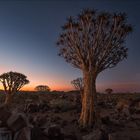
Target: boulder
[(123, 103), (54, 132), (31, 108), (5, 134), (70, 137), (4, 114), (125, 135), (37, 134), (23, 134), (43, 107), (131, 124), (16, 122), (95, 135), (115, 136)]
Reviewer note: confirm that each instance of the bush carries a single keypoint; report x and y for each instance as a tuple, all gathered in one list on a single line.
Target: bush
[(62, 105)]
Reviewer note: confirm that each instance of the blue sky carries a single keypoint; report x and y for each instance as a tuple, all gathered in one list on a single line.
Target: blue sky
[(28, 35)]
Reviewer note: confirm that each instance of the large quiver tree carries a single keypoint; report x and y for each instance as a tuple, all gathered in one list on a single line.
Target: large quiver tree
[(93, 42), (12, 82)]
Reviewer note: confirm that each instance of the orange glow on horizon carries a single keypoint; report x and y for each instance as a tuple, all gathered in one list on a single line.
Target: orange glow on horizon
[(57, 88), (32, 88), (120, 87)]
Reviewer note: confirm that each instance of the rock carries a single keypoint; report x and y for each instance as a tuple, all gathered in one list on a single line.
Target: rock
[(4, 114), (70, 137), (115, 136), (131, 124), (106, 120), (125, 111), (5, 134), (23, 134), (43, 107), (64, 123), (95, 135), (54, 133), (125, 135), (135, 116), (16, 122), (37, 134), (39, 121), (31, 108), (123, 103)]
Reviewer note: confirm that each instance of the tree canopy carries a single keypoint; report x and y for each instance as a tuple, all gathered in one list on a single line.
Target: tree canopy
[(13, 81), (42, 88), (109, 90), (94, 40), (78, 83)]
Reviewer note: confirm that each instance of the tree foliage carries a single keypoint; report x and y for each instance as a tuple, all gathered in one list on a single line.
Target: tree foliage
[(13, 81), (94, 40), (109, 90), (42, 88), (78, 84)]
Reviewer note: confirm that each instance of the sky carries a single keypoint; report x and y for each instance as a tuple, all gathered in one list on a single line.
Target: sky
[(29, 30)]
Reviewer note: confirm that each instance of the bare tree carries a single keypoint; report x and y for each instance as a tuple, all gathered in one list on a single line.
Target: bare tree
[(93, 42), (12, 83), (109, 90), (78, 85), (42, 88)]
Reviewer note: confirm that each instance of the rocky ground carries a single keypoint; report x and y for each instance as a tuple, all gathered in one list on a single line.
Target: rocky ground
[(40, 116)]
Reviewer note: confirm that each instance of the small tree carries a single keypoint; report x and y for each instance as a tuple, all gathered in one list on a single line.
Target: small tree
[(109, 90), (78, 85), (93, 42), (12, 83), (42, 88)]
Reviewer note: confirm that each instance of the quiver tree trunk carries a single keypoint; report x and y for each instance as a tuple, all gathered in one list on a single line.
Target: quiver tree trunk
[(8, 99), (89, 102), (82, 94)]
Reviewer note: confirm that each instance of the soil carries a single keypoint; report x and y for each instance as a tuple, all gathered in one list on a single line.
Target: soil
[(63, 110)]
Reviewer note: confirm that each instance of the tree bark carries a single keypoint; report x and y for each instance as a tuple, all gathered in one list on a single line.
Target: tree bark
[(8, 99), (88, 115)]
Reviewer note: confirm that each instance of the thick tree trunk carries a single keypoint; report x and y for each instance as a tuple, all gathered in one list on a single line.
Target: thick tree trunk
[(82, 93), (8, 99), (89, 102)]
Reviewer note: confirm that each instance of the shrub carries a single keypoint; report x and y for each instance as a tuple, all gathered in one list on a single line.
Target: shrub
[(62, 105)]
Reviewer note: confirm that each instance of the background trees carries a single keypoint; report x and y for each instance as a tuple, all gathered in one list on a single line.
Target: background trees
[(78, 85), (12, 82), (42, 88), (93, 42), (109, 90)]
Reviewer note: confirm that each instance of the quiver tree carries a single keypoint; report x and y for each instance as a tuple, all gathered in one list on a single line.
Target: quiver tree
[(93, 42), (12, 82), (42, 88), (78, 85), (109, 90)]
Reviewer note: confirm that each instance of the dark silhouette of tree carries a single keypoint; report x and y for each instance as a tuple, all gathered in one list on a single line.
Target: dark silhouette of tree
[(109, 90), (78, 85), (93, 42), (12, 83), (42, 88)]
